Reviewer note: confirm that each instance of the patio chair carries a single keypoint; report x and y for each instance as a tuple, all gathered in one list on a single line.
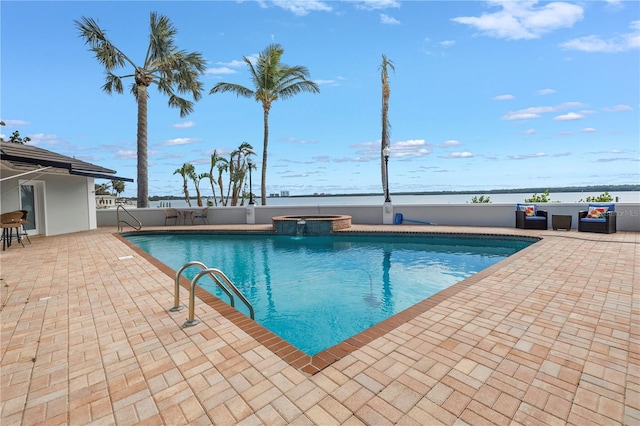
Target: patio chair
[(24, 221), (599, 218), (9, 222), (529, 217), (202, 214), (170, 214)]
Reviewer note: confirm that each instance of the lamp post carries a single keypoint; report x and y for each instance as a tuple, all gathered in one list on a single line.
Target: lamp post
[(385, 152), (250, 164)]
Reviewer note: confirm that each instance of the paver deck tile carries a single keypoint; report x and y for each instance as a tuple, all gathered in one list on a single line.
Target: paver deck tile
[(548, 336)]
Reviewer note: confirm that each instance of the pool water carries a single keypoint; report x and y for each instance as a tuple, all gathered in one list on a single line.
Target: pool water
[(315, 292)]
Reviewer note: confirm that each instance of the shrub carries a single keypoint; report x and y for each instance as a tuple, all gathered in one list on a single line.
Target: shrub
[(542, 198), (481, 199), (602, 198)]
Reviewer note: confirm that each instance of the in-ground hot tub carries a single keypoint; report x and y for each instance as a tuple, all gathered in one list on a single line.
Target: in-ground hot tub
[(310, 224)]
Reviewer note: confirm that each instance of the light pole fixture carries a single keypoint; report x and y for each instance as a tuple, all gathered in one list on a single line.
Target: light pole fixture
[(250, 164), (385, 152)]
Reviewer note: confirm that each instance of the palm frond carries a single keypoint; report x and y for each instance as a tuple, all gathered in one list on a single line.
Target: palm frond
[(238, 89), (161, 39), (105, 52), (185, 105), (113, 83)]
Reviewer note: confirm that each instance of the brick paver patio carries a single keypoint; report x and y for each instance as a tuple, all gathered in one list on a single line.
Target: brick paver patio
[(549, 336)]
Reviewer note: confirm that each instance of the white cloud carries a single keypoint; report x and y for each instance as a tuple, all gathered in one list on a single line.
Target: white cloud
[(409, 148), (569, 117), (126, 154), (527, 156), (543, 92), (179, 141), (465, 154), (447, 43), (332, 83), (522, 20), (10, 123), (530, 132), (503, 97), (388, 20), (452, 142), (301, 7), (220, 71), (376, 4), (536, 112), (44, 139), (588, 130), (185, 125), (618, 108), (618, 43)]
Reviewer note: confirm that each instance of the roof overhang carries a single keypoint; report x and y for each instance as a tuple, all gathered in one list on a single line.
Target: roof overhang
[(18, 162)]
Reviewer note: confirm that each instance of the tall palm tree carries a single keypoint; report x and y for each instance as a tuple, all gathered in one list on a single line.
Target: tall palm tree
[(174, 71), (386, 126), (186, 171), (272, 80)]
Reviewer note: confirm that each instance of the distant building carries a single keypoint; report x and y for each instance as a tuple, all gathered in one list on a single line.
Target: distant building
[(284, 193)]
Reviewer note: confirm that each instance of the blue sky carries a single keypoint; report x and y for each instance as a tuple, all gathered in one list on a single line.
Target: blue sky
[(485, 94)]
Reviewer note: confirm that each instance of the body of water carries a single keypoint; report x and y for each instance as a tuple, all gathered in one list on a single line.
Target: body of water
[(562, 197)]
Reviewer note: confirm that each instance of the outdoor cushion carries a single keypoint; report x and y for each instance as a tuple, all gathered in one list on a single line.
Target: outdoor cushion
[(596, 212), (528, 209)]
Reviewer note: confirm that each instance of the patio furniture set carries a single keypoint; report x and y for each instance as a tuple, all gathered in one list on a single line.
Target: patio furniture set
[(599, 218), (184, 214)]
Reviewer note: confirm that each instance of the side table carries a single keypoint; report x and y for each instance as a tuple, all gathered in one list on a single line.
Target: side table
[(561, 221)]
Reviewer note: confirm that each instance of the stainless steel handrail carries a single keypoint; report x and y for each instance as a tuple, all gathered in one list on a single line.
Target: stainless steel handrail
[(216, 275), (176, 291), (120, 228), (221, 280)]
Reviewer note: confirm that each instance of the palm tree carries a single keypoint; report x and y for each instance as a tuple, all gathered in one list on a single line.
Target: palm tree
[(185, 171), (196, 178), (118, 187), (223, 166), (214, 162), (238, 169), (272, 80), (386, 127), (174, 71)]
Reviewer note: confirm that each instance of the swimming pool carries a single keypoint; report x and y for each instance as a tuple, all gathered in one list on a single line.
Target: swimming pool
[(315, 292)]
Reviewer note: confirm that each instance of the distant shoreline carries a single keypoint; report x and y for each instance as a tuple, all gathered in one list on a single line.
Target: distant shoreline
[(610, 188), (593, 188)]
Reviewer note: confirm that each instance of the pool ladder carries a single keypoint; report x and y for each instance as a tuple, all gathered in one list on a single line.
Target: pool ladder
[(221, 281)]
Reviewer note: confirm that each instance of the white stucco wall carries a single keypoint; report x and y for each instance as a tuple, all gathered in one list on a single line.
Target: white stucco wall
[(481, 215), (68, 203)]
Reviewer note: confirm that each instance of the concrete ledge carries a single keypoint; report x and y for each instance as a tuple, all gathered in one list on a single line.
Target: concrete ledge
[(477, 215)]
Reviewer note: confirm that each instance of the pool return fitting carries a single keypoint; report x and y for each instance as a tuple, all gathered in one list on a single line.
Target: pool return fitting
[(218, 277)]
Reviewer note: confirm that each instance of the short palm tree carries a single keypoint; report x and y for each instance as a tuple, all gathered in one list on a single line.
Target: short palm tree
[(238, 170), (186, 171), (174, 71), (196, 178), (272, 80), (214, 161)]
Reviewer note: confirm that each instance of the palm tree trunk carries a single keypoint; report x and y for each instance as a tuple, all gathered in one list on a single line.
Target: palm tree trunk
[(143, 172), (263, 188)]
